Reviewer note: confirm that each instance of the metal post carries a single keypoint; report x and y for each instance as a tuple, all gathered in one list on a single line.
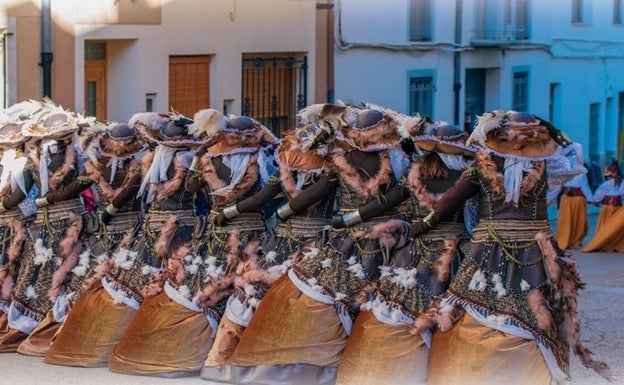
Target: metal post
[(457, 61), (46, 47)]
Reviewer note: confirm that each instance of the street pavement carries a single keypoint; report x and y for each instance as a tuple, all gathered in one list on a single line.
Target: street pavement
[(600, 305)]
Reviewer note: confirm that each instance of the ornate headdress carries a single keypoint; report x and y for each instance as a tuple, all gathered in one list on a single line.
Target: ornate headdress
[(442, 137), (171, 130), (373, 130), (517, 133), (239, 134)]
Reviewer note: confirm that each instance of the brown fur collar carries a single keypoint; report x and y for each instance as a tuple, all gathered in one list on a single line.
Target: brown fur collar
[(249, 179), (488, 169), (95, 174), (414, 178), (370, 187)]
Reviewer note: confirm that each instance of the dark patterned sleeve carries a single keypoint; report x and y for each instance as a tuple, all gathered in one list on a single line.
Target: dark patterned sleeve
[(320, 190), (128, 192), (194, 181), (262, 197), (455, 197), (71, 190), (18, 195), (397, 195)]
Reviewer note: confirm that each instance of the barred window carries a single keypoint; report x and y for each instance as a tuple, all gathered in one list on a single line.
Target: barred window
[(421, 95)]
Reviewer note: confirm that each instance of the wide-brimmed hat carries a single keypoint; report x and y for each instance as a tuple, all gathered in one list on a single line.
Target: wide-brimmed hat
[(517, 133), (111, 140), (171, 130), (373, 130), (240, 134), (11, 134), (444, 138), (55, 123), (23, 111)]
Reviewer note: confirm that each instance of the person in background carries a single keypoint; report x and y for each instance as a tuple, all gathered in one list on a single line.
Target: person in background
[(609, 235), (572, 218)]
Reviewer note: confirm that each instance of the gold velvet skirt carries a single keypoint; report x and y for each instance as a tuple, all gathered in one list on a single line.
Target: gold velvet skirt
[(225, 342), (164, 338), (38, 341), (610, 237), (473, 354), (291, 328), (10, 339), (92, 329), (378, 353), (571, 222)]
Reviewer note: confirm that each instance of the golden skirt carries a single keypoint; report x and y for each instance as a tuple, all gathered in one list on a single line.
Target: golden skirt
[(611, 237), (164, 338), (378, 353), (572, 222), (473, 354), (291, 328), (92, 329), (38, 341), (225, 342), (10, 339)]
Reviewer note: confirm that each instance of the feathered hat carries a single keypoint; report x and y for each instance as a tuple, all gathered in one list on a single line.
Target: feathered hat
[(112, 140), (11, 135), (55, 123), (517, 133), (171, 130), (444, 138), (373, 130), (239, 134)]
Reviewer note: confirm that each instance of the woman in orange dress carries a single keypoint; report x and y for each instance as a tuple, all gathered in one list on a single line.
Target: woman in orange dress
[(609, 235), (572, 218)]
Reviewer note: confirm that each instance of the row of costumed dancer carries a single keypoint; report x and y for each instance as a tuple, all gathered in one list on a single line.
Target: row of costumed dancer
[(399, 250)]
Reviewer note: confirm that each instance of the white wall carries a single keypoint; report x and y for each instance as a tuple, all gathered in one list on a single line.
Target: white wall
[(190, 27), (587, 59)]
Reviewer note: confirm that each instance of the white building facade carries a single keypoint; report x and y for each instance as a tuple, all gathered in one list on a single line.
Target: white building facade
[(562, 60)]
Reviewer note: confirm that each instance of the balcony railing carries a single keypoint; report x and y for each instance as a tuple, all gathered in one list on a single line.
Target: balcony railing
[(499, 36)]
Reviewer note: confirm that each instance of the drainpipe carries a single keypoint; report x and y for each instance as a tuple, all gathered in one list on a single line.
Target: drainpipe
[(457, 61), (46, 47)]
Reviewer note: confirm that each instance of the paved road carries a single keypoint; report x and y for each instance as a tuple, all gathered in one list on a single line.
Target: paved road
[(601, 311)]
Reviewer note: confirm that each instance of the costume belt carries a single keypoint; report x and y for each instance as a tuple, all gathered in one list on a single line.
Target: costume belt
[(573, 192), (10, 215), (300, 227), (612, 200), (124, 221), (155, 219), (243, 222), (60, 210), (509, 230), (444, 230)]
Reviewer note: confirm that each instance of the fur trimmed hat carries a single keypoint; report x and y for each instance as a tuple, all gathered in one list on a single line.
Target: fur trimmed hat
[(373, 130), (171, 130), (444, 138), (55, 123), (114, 140), (11, 135), (517, 133), (240, 134)]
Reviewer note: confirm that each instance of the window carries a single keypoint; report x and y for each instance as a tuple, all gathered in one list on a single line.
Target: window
[(95, 51), (421, 90), (189, 87), (577, 11), (420, 20), (617, 12), (502, 20), (520, 96)]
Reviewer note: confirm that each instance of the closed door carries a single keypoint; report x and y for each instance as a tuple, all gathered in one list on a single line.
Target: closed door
[(95, 89)]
